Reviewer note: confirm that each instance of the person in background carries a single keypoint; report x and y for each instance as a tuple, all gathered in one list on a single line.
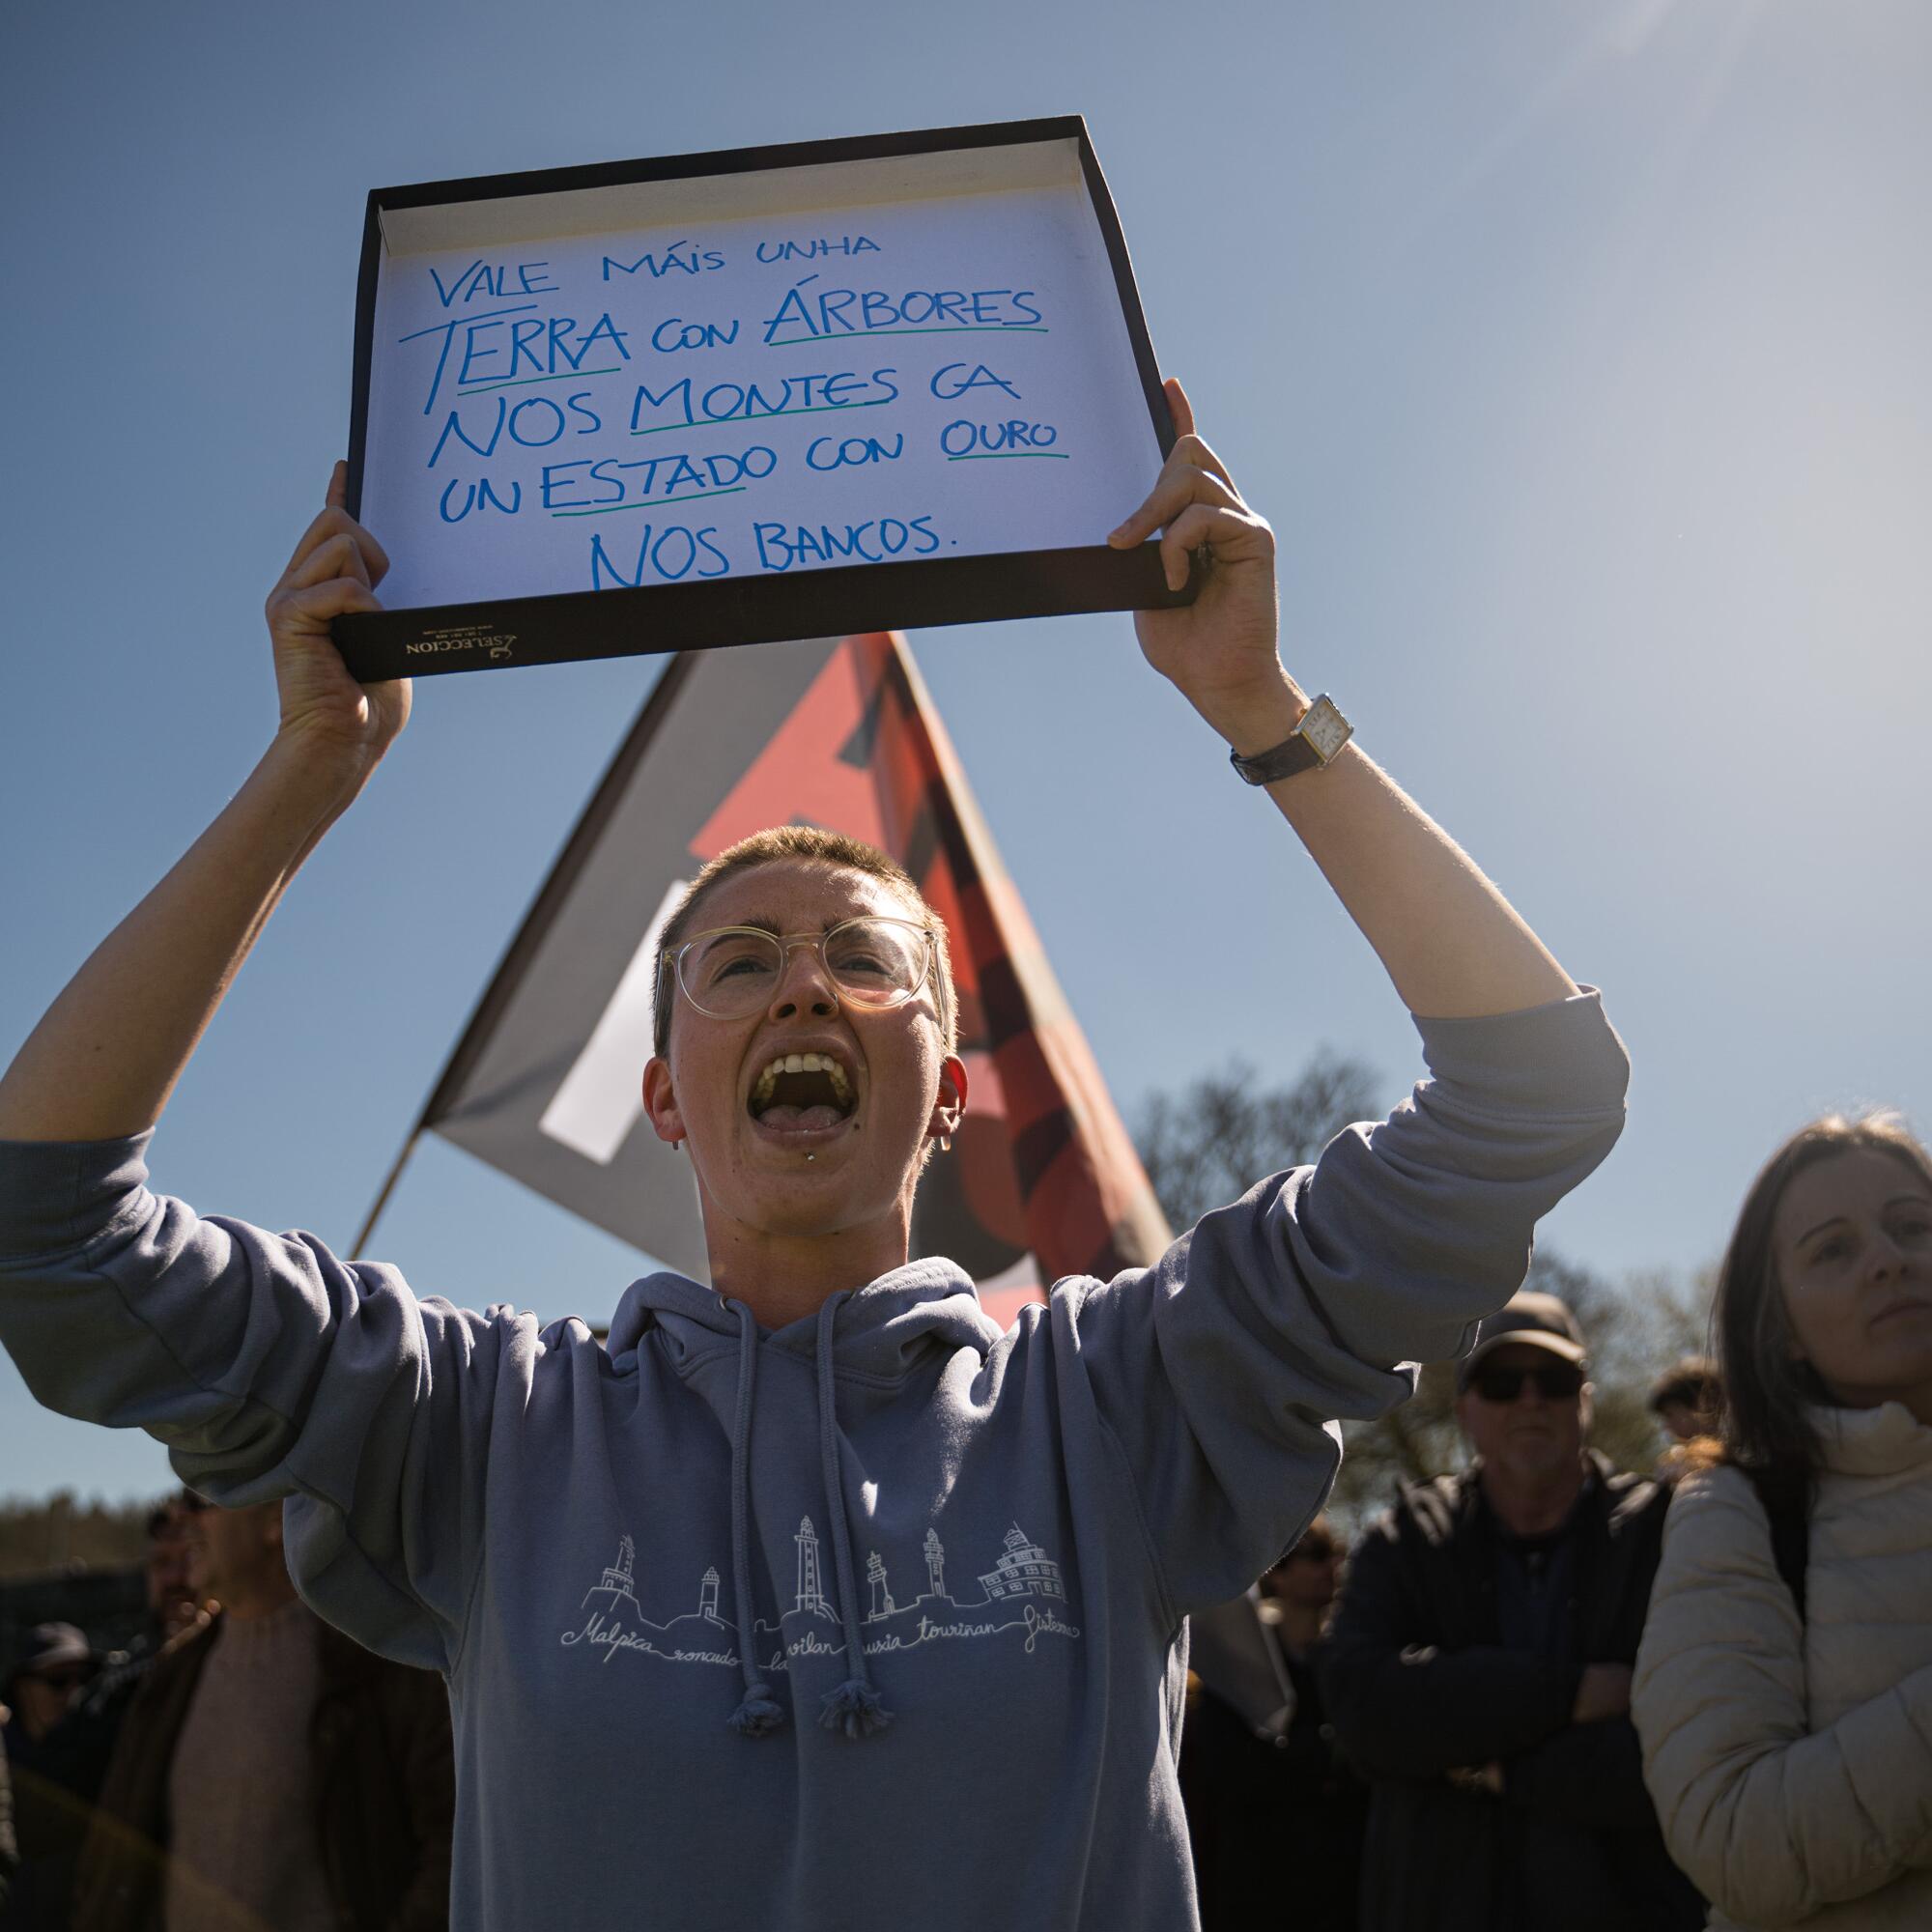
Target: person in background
[(48, 1815), (1687, 1398), (1479, 1667), (87, 1733), (9, 1845), (169, 1567), (1266, 1791), (269, 1771), (1783, 1690)]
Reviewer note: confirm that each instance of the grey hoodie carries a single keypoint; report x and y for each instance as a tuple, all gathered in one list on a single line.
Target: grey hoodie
[(874, 1622)]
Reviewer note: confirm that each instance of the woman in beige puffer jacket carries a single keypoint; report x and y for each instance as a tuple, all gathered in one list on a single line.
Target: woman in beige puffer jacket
[(1790, 1759)]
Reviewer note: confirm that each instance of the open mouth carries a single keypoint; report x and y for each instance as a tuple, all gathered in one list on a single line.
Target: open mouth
[(799, 1092)]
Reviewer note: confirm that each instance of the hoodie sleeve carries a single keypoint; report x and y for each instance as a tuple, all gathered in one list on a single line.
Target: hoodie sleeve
[(1225, 1369), (268, 1368)]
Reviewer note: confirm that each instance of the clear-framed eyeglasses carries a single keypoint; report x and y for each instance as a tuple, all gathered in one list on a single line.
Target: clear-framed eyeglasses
[(733, 971)]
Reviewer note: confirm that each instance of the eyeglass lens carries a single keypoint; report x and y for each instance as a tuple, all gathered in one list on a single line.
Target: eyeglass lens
[(1554, 1383), (874, 962)]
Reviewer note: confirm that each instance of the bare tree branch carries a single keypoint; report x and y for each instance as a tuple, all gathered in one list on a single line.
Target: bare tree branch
[(1210, 1144)]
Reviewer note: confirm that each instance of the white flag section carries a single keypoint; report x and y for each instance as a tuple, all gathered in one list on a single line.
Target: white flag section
[(602, 1098)]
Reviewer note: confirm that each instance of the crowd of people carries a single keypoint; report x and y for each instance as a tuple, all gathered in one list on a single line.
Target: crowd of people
[(240, 1767), (1545, 1692), (1541, 1692)]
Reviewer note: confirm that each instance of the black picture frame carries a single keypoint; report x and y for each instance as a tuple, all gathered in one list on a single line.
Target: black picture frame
[(572, 626)]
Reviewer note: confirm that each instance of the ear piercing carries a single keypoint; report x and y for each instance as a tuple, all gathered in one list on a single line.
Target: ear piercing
[(946, 1143)]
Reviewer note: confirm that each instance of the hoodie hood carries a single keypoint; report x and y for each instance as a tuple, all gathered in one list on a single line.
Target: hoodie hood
[(883, 1329)]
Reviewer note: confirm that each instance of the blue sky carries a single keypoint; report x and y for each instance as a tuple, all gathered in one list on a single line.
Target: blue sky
[(1576, 349)]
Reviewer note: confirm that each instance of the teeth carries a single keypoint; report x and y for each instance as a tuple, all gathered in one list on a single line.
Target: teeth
[(801, 1063)]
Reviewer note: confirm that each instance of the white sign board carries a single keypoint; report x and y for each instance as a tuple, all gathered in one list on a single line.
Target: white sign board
[(796, 378)]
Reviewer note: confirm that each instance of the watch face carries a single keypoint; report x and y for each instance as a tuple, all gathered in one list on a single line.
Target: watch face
[(1325, 728)]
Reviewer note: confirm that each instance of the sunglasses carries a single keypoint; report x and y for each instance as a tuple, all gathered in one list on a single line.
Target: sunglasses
[(1311, 1549), (1555, 1381)]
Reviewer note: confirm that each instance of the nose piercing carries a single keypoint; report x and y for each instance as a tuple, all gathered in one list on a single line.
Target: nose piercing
[(812, 1157)]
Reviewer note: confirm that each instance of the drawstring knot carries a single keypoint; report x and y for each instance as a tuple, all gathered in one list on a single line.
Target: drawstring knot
[(759, 1713), (855, 1707)]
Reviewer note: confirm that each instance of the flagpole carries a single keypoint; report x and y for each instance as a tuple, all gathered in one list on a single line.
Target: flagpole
[(394, 1175)]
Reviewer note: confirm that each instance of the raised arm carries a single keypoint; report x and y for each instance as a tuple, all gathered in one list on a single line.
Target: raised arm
[(104, 1060), (1450, 941)]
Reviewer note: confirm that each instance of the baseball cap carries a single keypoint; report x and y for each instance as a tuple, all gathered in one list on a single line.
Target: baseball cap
[(1530, 1319), (49, 1646)]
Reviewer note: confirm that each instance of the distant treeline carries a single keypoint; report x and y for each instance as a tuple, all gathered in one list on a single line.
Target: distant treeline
[(46, 1535)]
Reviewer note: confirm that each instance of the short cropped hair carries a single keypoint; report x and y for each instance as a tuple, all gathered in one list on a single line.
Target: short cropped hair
[(1691, 1381), (806, 844)]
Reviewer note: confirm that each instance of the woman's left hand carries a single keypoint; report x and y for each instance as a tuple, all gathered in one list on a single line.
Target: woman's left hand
[(1219, 650)]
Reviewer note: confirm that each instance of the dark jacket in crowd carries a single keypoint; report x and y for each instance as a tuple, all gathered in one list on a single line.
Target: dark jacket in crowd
[(10, 1846), (1275, 1817), (46, 1808), (1422, 1689), (384, 1785)]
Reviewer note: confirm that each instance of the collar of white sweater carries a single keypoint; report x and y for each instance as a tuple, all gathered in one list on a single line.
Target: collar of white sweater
[(1882, 1441)]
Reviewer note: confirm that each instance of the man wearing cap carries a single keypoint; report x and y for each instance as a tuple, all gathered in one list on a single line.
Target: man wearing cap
[(1480, 1663), (269, 1771), (52, 1666)]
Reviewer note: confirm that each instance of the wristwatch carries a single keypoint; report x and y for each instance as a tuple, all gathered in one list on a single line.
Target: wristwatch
[(1314, 741)]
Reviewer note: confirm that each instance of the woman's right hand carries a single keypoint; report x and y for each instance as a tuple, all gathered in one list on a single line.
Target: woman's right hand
[(335, 568)]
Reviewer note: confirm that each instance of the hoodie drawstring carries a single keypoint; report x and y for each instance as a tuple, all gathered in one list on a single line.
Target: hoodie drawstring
[(855, 1707), (759, 1712)]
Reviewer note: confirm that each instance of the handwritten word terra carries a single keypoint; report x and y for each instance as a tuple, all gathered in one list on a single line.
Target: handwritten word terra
[(808, 314), (538, 348)]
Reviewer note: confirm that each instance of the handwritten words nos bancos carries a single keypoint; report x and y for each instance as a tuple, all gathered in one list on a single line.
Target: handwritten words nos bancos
[(524, 398)]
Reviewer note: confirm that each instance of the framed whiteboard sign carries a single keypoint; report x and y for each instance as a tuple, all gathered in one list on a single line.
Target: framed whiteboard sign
[(777, 392)]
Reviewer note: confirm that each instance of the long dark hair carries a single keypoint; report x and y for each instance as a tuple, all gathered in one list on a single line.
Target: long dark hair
[(1767, 1426)]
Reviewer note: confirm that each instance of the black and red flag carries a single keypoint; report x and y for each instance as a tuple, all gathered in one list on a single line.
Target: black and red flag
[(838, 733)]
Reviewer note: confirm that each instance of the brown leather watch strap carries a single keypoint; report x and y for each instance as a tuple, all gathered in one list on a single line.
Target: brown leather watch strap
[(1295, 753)]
